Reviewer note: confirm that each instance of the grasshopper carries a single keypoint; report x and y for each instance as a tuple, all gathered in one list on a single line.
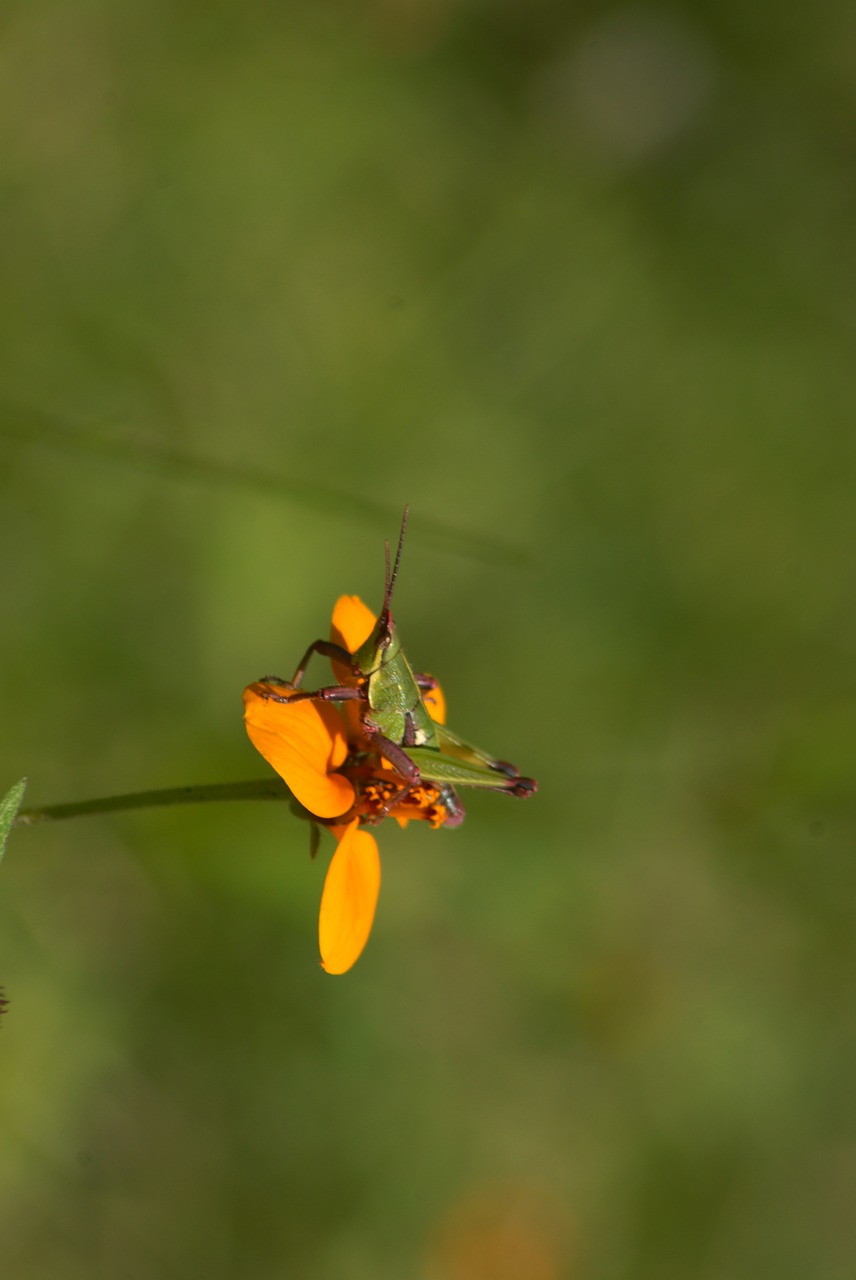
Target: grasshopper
[(393, 715)]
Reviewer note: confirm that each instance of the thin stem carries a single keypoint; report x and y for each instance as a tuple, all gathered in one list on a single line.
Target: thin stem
[(257, 789), (29, 423)]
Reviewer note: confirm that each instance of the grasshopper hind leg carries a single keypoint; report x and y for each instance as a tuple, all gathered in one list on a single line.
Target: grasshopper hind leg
[(400, 760)]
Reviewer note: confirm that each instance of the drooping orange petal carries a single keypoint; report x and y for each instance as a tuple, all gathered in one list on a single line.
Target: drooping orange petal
[(349, 899), (304, 743)]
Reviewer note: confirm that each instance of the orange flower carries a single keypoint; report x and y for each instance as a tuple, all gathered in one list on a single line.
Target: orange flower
[(321, 753)]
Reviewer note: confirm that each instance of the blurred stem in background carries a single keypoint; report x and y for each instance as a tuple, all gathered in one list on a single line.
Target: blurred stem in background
[(33, 425)]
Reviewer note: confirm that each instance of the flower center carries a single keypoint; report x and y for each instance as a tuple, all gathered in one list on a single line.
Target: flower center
[(377, 786)]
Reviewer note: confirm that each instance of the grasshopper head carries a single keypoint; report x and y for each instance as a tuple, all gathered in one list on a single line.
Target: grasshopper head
[(382, 646)]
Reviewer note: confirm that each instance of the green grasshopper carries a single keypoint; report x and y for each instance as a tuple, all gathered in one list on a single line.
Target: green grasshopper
[(394, 718)]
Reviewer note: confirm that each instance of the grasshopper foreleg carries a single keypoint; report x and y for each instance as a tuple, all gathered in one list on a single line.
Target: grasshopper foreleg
[(330, 693), (328, 650)]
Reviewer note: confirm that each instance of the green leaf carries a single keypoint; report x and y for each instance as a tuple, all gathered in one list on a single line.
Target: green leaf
[(9, 806)]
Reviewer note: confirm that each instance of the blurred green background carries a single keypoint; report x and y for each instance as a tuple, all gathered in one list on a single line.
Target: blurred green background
[(579, 284)]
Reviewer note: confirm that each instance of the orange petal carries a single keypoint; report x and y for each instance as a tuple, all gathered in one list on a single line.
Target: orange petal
[(436, 704), (352, 624), (349, 899), (304, 743)]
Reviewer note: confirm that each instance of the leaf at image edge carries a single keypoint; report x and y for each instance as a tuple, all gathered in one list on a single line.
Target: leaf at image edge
[(9, 806)]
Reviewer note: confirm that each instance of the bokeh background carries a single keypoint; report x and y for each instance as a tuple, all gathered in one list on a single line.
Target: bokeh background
[(579, 284)]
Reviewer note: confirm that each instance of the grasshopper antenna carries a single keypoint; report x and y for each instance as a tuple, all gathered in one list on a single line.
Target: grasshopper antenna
[(390, 577)]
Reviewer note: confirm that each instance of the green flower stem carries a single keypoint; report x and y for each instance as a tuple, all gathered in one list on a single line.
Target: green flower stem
[(257, 789)]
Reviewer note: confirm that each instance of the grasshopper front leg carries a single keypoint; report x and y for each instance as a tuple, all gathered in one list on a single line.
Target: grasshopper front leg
[(330, 693), (327, 649)]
